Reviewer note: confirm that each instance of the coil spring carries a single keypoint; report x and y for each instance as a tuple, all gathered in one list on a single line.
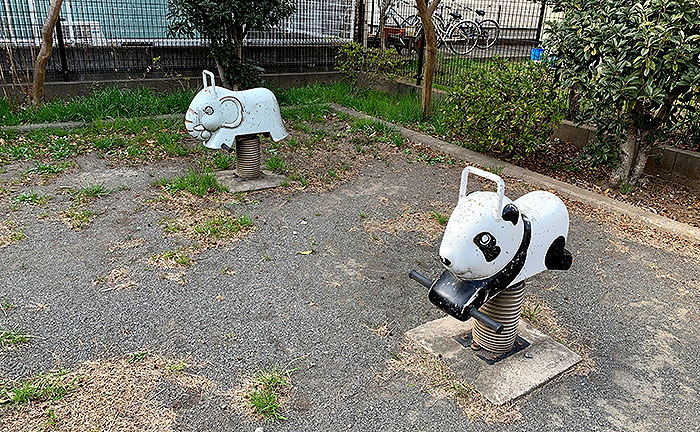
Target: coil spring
[(248, 157), (504, 308)]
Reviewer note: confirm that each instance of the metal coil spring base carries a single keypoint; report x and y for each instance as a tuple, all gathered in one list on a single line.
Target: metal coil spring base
[(504, 308), (248, 157)]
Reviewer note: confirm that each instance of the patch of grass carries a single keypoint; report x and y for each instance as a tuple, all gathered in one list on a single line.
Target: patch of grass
[(276, 164), (224, 161), (626, 187), (7, 306), (49, 387), (105, 103), (172, 144), (51, 421), (494, 169), (87, 194), (439, 217), (305, 113), (109, 143), (199, 184), (178, 366), (48, 169), (79, 219), (269, 387), (531, 312), (137, 356), (10, 233), (177, 257), (223, 227), (12, 337), (31, 198)]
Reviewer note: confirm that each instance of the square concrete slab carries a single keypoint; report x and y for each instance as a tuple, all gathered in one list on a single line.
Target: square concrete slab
[(267, 180), (506, 379)]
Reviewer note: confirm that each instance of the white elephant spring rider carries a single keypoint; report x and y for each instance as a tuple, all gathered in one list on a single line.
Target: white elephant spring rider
[(233, 120), (491, 245)]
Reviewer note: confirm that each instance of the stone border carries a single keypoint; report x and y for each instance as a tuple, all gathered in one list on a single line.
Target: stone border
[(593, 199), (673, 164)]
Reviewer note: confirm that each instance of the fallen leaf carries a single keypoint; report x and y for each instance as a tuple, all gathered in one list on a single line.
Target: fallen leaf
[(309, 252)]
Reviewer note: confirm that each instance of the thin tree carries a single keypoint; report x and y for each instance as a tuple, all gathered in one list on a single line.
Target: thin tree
[(382, 22), (426, 11), (42, 59)]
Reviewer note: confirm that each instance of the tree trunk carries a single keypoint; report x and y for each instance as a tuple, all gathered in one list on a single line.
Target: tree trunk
[(222, 73), (42, 58), (641, 158), (382, 23), (426, 15), (628, 157), (574, 102)]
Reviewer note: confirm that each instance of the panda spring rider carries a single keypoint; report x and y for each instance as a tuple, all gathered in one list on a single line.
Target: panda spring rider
[(492, 243)]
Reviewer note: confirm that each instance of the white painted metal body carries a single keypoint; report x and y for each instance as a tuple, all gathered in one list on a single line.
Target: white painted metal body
[(217, 115), (479, 243)]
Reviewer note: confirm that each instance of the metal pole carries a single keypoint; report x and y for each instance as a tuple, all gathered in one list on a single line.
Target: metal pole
[(541, 22), (62, 51), (421, 54), (361, 23)]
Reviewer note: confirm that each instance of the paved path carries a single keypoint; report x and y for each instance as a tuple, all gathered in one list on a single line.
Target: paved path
[(633, 306)]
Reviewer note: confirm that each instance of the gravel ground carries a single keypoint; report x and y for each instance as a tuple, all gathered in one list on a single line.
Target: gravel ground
[(257, 303)]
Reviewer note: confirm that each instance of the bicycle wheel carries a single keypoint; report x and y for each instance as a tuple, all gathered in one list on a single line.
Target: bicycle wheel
[(489, 34), (461, 39)]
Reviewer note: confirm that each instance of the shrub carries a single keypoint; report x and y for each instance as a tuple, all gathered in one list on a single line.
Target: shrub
[(636, 63), (367, 65), (508, 107)]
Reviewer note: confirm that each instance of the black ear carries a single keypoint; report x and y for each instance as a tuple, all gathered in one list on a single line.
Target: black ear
[(511, 214)]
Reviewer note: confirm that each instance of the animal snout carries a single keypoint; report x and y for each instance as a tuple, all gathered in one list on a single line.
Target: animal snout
[(445, 261)]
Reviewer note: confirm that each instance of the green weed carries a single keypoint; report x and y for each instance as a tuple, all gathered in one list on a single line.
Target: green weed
[(223, 227), (269, 387), (439, 217), (31, 198), (11, 337), (49, 387), (199, 184), (276, 164)]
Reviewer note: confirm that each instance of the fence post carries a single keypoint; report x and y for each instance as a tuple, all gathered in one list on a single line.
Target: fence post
[(361, 23), (62, 51), (540, 24), (421, 54)]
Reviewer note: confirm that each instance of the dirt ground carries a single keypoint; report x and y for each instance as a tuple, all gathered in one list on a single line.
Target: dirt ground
[(123, 286)]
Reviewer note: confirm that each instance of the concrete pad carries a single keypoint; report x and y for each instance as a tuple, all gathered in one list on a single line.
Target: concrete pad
[(234, 183), (507, 379)]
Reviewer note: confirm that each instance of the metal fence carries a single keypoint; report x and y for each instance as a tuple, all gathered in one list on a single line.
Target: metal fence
[(514, 29), (96, 37), (131, 36)]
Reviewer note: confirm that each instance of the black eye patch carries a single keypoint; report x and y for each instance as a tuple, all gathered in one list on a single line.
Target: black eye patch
[(487, 244)]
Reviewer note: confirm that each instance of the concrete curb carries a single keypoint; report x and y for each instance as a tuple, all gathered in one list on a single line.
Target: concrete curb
[(593, 199), (76, 125)]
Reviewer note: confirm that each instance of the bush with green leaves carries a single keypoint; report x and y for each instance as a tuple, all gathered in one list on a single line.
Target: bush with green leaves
[(225, 23), (367, 66), (504, 106), (636, 66)]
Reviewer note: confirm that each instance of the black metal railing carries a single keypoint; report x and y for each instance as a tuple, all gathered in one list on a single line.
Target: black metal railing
[(107, 37)]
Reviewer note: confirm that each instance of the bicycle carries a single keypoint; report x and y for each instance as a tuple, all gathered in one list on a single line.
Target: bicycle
[(487, 30), (457, 35), (402, 34)]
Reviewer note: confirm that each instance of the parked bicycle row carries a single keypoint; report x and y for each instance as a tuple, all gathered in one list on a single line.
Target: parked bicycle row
[(458, 27)]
